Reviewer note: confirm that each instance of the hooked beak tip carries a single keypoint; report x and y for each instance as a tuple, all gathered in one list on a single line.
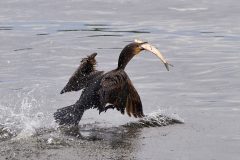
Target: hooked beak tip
[(144, 43)]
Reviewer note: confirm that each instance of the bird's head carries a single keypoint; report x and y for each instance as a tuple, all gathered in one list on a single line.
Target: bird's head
[(88, 64), (135, 48)]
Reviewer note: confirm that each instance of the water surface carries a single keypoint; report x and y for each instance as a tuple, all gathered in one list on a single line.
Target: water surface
[(42, 43)]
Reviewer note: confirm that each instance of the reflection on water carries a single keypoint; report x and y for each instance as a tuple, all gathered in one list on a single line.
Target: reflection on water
[(115, 142), (112, 143)]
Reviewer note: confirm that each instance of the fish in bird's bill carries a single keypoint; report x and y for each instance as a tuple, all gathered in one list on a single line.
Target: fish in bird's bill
[(155, 51)]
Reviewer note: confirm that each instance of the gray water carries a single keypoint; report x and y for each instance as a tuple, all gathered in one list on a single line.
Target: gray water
[(42, 43)]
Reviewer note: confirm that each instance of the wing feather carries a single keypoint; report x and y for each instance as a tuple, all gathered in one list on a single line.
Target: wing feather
[(83, 75), (136, 104), (117, 89)]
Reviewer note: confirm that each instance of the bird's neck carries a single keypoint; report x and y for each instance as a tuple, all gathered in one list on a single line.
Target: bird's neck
[(123, 59)]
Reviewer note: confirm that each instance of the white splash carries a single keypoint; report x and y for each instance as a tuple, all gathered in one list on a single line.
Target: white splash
[(156, 119), (50, 140), (20, 121)]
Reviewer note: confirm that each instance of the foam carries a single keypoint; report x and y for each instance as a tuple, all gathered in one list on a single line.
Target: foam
[(156, 119)]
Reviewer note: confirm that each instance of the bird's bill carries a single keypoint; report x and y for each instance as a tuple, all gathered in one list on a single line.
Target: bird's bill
[(155, 51)]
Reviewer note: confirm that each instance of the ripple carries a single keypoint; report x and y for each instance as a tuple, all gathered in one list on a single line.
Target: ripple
[(105, 35), (22, 49), (42, 34), (6, 28), (110, 48), (187, 9), (69, 30), (95, 24), (103, 29), (207, 32)]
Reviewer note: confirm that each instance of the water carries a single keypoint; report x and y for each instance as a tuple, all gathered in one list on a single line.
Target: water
[(42, 43)]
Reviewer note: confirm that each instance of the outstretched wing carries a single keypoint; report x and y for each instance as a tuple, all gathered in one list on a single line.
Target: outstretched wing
[(83, 75), (117, 89)]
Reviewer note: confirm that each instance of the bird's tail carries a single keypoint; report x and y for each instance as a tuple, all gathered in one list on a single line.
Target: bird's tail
[(70, 115)]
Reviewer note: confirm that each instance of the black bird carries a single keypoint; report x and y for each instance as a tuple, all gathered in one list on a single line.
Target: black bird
[(102, 90)]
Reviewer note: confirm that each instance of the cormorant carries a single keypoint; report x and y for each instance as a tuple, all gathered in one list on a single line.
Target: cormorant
[(102, 90)]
